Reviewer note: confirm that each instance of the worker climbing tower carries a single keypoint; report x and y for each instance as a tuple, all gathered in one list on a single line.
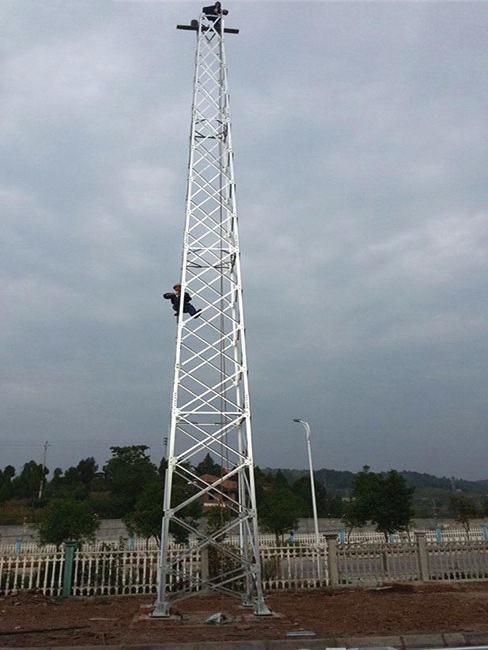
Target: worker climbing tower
[(210, 410)]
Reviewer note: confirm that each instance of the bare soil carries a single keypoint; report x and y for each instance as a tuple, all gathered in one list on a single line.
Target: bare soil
[(31, 619)]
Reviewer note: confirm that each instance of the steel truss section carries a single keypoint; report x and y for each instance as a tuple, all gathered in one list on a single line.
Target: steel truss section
[(210, 411)]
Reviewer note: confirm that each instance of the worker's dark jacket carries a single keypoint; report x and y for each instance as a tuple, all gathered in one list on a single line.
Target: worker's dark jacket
[(210, 12), (175, 300)]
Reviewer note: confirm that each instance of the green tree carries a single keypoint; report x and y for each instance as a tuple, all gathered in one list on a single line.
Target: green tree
[(6, 477), (76, 482), (393, 507), (326, 505), (279, 480), (385, 500), (360, 507), (126, 473), (262, 483), (280, 510), (66, 520), (145, 519), (27, 484), (335, 506), (464, 509), (147, 514), (9, 472), (208, 466)]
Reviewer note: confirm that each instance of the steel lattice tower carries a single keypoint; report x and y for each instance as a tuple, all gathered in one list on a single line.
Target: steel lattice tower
[(210, 411)]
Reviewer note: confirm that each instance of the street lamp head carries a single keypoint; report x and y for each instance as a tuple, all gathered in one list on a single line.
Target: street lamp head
[(296, 420)]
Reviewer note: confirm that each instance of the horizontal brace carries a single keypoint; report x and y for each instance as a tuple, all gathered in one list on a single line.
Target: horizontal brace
[(194, 28)]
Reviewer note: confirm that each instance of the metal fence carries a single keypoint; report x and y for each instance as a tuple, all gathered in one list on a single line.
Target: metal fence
[(411, 561), (115, 571)]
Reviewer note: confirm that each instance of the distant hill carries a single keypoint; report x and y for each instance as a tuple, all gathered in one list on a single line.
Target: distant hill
[(431, 496), (341, 481), (333, 480)]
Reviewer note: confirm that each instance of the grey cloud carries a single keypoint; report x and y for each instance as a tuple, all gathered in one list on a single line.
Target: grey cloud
[(359, 133)]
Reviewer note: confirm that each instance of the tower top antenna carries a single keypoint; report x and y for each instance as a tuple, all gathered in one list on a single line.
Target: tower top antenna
[(212, 18)]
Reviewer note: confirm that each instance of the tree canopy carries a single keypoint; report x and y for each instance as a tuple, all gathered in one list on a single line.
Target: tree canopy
[(126, 474), (383, 499), (130, 486), (66, 520), (280, 509), (464, 509)]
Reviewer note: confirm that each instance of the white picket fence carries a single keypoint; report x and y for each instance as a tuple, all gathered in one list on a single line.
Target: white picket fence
[(135, 572), (116, 572), (123, 572), (42, 571)]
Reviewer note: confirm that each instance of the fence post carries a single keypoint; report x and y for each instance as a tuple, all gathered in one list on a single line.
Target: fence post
[(204, 568), (331, 541), (421, 540), (69, 554)]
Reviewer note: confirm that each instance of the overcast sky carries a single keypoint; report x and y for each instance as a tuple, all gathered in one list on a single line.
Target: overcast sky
[(361, 157)]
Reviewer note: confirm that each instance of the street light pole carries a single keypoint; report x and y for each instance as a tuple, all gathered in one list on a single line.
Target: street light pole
[(306, 426)]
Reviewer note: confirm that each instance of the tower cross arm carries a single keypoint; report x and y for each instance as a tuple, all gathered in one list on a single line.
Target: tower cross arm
[(193, 27)]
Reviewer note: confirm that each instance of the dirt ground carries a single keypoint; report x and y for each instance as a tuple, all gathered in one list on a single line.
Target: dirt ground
[(31, 619)]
